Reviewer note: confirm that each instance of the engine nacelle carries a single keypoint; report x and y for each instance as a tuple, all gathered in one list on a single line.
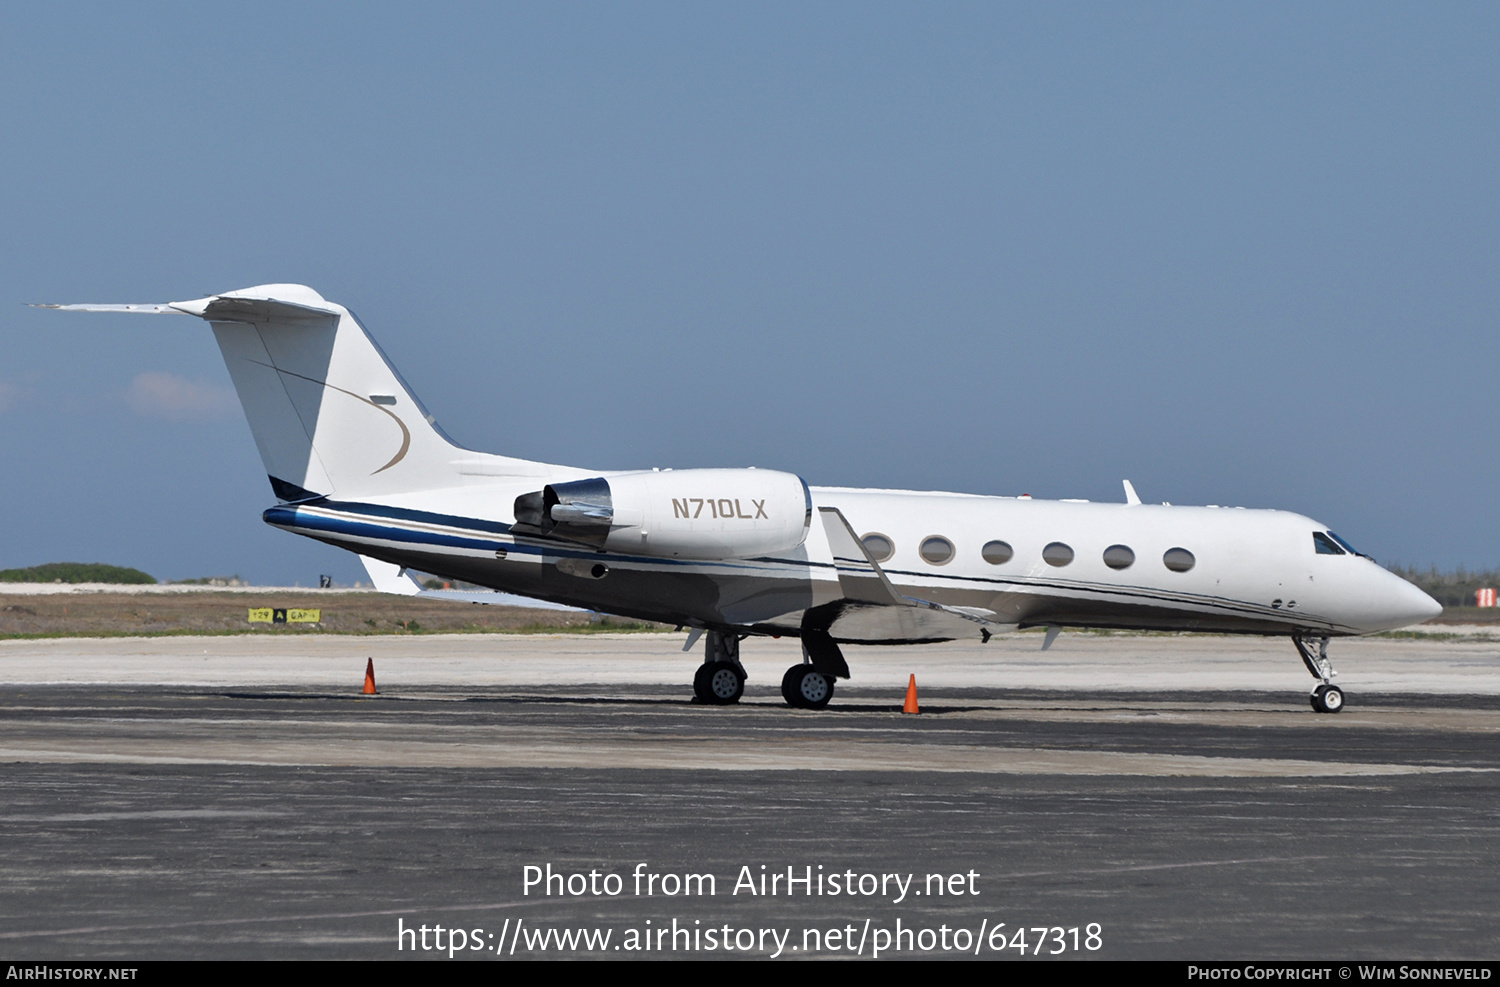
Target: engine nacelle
[(681, 514)]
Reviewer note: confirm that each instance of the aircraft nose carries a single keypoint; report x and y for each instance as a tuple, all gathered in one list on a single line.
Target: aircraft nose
[(1410, 604)]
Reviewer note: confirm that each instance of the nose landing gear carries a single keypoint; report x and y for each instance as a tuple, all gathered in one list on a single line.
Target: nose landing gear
[(1327, 697)]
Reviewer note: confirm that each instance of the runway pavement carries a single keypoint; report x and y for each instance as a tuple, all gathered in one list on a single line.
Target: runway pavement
[(237, 797)]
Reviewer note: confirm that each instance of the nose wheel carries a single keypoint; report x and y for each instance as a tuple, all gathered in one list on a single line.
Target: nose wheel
[(1327, 697)]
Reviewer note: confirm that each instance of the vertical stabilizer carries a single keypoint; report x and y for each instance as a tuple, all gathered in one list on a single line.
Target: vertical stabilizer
[(328, 412)]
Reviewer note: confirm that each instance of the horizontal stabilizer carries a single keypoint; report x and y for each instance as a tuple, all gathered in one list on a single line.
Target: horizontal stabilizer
[(139, 309), (233, 307), (247, 305)]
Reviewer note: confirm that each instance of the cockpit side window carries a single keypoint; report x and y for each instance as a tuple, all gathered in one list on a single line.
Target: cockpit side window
[(1326, 545)]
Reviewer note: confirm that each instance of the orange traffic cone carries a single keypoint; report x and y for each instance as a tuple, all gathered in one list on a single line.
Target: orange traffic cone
[(911, 696), (370, 679)]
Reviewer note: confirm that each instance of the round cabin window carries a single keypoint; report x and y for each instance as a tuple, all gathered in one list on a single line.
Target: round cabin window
[(937, 550), (1179, 559), (1057, 554), (996, 552), (879, 546), (1119, 557)]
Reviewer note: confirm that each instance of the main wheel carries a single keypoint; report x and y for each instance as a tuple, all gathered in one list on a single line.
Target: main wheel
[(718, 683), (804, 687), (1327, 699), (789, 683)]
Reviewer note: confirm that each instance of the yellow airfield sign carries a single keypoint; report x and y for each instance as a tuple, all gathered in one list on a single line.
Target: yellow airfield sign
[(284, 615)]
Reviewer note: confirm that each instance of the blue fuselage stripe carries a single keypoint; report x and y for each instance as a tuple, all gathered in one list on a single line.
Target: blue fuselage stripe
[(406, 514), (287, 518)]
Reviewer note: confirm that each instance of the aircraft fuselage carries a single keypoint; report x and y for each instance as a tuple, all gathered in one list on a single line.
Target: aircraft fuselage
[(1235, 570)]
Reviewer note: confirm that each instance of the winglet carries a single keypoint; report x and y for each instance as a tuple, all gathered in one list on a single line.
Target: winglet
[(1130, 495), (860, 577)]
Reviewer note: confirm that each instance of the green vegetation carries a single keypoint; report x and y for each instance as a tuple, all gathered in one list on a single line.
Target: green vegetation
[(1435, 636), (1451, 589), (75, 572), (622, 627)]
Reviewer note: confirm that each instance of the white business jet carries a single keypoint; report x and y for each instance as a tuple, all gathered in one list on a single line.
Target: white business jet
[(355, 460)]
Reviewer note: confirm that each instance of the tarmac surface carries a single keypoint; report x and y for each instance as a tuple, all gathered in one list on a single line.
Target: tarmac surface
[(236, 797)]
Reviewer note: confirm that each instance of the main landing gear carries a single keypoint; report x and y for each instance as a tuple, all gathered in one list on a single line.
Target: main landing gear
[(810, 684), (720, 680), (804, 687), (1327, 697)]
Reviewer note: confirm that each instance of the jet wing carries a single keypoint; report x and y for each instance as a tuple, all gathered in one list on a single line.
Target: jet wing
[(873, 610), (862, 623)]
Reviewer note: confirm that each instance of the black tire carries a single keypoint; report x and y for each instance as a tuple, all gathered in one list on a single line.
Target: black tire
[(1328, 699), (789, 683), (718, 683), (804, 687)]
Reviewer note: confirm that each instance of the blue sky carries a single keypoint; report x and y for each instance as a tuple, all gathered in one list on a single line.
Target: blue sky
[(1240, 254)]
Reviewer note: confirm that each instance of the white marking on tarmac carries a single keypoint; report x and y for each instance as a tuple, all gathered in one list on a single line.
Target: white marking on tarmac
[(424, 909), (627, 753), (1146, 867), (150, 814)]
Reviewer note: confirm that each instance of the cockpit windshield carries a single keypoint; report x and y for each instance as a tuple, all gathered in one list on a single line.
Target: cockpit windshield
[(1346, 545), (1326, 545)]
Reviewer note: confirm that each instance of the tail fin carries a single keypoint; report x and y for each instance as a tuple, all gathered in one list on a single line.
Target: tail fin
[(328, 412)]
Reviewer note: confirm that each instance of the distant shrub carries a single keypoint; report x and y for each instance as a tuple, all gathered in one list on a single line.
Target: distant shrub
[(75, 572), (1451, 589)]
